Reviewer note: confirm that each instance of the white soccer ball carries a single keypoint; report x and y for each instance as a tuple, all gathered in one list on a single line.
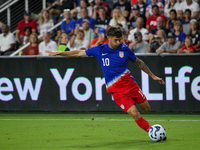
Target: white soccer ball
[(157, 133)]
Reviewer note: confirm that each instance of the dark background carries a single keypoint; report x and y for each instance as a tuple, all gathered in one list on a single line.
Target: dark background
[(49, 96)]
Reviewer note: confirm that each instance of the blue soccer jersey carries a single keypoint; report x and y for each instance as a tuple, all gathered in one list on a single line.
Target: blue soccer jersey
[(114, 64)]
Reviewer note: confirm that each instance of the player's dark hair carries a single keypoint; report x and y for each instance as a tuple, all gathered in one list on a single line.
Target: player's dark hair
[(188, 10), (114, 31)]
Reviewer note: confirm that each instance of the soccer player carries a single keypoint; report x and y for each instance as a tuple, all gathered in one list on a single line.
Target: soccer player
[(113, 58)]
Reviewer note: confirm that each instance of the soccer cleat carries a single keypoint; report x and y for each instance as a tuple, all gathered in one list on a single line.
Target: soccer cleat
[(165, 138)]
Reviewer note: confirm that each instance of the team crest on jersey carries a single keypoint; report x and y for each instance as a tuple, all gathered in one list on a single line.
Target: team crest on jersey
[(121, 54)]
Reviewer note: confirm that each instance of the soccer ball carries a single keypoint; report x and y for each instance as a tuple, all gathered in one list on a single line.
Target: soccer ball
[(157, 133)]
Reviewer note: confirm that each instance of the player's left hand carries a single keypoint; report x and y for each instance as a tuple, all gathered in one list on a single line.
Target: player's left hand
[(160, 80)]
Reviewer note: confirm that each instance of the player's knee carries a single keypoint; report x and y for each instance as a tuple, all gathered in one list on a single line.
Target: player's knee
[(134, 114), (146, 109)]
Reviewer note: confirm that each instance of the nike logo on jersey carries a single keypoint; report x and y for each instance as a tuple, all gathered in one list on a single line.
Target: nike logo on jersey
[(104, 54)]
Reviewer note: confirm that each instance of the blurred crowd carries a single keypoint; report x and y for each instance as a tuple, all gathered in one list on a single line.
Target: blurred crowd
[(148, 26)]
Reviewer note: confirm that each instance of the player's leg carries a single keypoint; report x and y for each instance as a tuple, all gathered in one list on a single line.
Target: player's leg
[(142, 123), (145, 107)]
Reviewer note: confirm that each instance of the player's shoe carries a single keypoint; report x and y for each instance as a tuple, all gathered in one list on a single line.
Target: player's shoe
[(165, 138)]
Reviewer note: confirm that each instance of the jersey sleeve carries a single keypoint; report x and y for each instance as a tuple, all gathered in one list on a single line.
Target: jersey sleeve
[(92, 51), (132, 56)]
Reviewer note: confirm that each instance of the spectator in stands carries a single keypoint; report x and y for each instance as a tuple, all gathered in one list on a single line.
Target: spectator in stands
[(76, 3), (27, 21), (173, 4), (156, 41), (149, 8), (186, 21), (60, 6), (138, 45), (171, 20), (78, 43), (124, 6), (7, 41), (69, 24), (27, 31), (33, 48), (170, 46), (179, 34), (101, 39), (160, 25), (118, 18), (142, 6), (84, 15), (62, 43), (139, 27), (189, 47), (194, 33), (98, 4), (102, 20), (89, 33), (47, 44), (188, 4), (1, 24), (45, 21), (91, 2), (151, 20), (136, 14), (83, 3), (124, 38)]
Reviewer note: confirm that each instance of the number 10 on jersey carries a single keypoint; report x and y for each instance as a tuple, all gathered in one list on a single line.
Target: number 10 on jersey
[(106, 61)]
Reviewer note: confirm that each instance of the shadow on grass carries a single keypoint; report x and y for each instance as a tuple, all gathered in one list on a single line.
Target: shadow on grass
[(117, 145)]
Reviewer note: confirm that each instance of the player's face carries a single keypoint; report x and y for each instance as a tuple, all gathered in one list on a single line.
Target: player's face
[(114, 42)]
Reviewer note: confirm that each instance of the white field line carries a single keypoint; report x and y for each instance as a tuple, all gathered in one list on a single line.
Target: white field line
[(97, 119)]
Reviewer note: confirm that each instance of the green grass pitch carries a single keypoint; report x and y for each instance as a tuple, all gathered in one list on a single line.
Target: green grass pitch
[(95, 131)]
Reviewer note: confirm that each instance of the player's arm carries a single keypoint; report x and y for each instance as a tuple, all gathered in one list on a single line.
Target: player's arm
[(74, 53), (140, 64)]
